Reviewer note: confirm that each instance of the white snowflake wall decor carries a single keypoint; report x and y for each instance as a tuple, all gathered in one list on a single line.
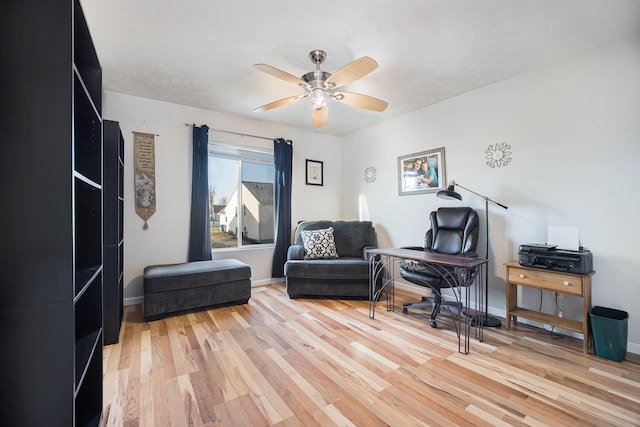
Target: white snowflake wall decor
[(370, 174), (498, 155)]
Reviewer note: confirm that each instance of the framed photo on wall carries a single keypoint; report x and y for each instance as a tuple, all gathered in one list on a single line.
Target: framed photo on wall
[(314, 172), (422, 172)]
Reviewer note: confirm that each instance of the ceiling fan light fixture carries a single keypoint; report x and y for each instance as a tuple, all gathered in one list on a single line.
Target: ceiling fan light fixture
[(318, 98)]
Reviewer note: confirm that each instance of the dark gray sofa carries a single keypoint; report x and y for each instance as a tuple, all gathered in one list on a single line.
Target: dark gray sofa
[(344, 277)]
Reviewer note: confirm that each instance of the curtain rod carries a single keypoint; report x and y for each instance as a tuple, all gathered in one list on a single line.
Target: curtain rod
[(236, 133)]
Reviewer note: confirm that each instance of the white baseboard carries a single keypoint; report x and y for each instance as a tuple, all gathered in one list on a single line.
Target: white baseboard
[(133, 300), (263, 282)]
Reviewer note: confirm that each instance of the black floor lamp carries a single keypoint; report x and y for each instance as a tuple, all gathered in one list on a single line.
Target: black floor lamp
[(450, 193)]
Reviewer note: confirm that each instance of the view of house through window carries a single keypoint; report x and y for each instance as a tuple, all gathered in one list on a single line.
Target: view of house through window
[(240, 196)]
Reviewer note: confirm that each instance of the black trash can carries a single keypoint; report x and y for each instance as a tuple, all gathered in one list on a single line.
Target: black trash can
[(609, 331)]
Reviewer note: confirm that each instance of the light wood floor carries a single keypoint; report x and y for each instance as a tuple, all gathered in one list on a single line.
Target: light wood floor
[(282, 362)]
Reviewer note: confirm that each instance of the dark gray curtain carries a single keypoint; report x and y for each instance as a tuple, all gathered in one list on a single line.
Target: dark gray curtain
[(282, 160), (200, 228)]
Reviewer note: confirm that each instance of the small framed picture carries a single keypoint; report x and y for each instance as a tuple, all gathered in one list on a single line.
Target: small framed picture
[(314, 172), (421, 173)]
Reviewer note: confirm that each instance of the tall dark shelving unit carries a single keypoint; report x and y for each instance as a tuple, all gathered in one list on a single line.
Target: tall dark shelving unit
[(51, 253), (113, 188)]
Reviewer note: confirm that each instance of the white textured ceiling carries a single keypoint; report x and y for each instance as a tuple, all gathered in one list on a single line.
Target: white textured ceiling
[(200, 52)]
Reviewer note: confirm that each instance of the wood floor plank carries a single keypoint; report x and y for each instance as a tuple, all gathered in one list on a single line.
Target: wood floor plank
[(161, 415), (267, 400), (146, 408), (312, 362), (300, 405), (241, 411)]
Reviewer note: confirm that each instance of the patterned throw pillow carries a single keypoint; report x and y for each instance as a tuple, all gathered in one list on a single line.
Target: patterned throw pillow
[(319, 243)]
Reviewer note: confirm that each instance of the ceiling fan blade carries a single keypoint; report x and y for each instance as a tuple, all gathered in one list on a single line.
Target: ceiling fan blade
[(320, 116), (276, 72), (278, 103), (361, 101), (352, 71)]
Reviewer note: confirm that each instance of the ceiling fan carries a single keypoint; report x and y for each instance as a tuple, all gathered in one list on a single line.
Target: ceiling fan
[(321, 86)]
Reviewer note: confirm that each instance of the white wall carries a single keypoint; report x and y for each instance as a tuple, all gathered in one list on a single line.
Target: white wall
[(574, 129), (166, 240)]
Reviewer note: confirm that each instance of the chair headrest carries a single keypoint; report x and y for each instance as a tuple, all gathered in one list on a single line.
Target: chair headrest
[(452, 218)]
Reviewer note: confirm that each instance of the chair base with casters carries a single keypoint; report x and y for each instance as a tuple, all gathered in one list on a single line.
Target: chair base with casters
[(454, 231), (436, 302)]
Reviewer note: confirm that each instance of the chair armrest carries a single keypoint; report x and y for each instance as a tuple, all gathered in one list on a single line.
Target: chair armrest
[(364, 252), (295, 252), (470, 254), (420, 248), (413, 248), (412, 265)]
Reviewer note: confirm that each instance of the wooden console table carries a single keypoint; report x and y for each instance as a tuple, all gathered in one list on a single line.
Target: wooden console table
[(554, 281)]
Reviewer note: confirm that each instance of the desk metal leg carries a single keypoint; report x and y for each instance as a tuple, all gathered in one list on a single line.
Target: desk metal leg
[(389, 274), (479, 303), (383, 269), (463, 277), (458, 283)]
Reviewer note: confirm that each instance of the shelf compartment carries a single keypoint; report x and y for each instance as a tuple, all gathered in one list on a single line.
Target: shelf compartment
[(85, 277), (88, 400), (121, 220), (112, 298), (88, 232), (87, 137), (85, 57), (548, 319), (88, 327), (121, 257), (121, 167), (85, 347), (121, 182)]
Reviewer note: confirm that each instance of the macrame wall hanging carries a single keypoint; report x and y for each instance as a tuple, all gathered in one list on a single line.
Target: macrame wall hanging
[(145, 175)]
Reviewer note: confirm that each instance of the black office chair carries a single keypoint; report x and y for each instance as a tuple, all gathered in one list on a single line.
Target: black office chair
[(454, 231)]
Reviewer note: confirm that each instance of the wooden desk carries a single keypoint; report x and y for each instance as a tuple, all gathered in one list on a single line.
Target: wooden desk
[(554, 281), (460, 272)]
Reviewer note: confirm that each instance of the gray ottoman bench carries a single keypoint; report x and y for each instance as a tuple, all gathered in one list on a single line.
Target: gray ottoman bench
[(173, 288)]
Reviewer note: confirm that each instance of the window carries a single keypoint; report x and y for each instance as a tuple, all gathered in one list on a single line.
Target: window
[(240, 196)]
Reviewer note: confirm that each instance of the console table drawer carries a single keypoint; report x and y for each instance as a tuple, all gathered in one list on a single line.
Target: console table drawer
[(547, 280)]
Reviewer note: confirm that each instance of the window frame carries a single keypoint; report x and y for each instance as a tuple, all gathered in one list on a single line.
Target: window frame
[(241, 153)]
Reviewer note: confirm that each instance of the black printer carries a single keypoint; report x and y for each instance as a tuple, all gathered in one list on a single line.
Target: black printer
[(552, 258)]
